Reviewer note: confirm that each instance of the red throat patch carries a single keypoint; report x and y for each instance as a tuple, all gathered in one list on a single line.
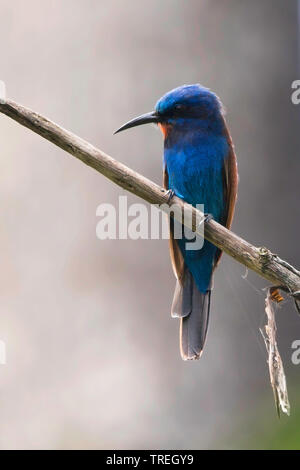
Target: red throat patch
[(165, 129)]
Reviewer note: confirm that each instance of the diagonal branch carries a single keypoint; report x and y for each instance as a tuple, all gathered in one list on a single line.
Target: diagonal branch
[(260, 260)]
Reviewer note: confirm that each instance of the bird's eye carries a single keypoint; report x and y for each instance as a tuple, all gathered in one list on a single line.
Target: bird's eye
[(179, 107)]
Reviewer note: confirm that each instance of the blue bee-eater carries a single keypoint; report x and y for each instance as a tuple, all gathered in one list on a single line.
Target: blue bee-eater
[(200, 167)]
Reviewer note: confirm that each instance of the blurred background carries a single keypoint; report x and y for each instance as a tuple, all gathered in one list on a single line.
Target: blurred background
[(92, 353)]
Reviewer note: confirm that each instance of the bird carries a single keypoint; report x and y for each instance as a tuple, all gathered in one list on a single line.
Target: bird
[(200, 167)]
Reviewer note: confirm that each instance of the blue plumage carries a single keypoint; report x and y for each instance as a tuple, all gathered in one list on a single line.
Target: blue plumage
[(194, 154), (199, 167)]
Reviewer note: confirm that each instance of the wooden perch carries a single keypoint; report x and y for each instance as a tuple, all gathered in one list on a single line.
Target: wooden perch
[(260, 260)]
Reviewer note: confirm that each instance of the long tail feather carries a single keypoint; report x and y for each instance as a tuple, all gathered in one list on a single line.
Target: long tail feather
[(192, 307)]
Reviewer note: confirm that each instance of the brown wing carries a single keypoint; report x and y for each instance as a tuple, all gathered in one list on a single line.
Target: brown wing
[(175, 253), (230, 185)]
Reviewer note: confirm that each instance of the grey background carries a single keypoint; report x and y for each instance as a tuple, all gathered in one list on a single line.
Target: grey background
[(92, 353)]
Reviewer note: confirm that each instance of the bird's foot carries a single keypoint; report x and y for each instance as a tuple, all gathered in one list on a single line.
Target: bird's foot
[(170, 194), (208, 217)]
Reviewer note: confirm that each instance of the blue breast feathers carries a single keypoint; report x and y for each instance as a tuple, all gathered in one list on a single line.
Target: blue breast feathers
[(196, 172), (195, 169)]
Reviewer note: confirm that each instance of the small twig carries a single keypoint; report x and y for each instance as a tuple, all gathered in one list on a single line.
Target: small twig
[(277, 376), (286, 265)]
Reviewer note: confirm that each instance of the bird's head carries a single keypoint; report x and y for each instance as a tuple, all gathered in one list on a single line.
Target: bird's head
[(183, 108)]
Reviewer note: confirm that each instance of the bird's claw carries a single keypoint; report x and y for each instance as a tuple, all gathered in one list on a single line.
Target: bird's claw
[(170, 194), (208, 217)]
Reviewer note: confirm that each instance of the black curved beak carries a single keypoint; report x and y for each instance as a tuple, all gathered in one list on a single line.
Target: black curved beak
[(144, 119)]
